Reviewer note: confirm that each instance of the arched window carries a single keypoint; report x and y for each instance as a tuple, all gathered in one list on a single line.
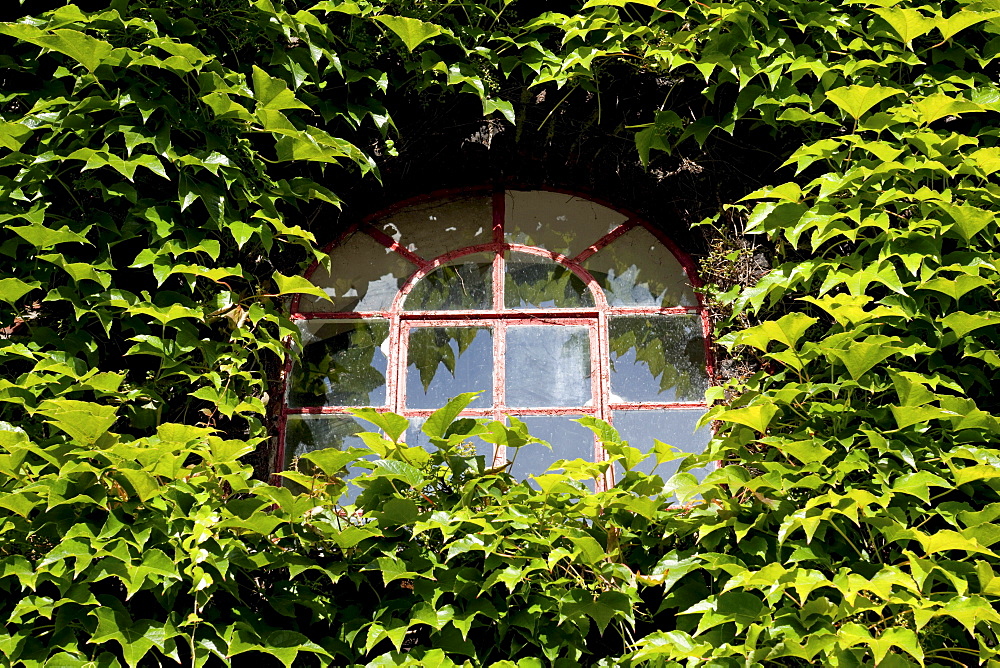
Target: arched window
[(551, 306)]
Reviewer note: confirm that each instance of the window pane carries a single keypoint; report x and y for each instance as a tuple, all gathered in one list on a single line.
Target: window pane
[(465, 284), (556, 222), (657, 358), (434, 228), (366, 276), (306, 433), (537, 282), (674, 427), (445, 361), (569, 440), (548, 366), (638, 270), (343, 363)]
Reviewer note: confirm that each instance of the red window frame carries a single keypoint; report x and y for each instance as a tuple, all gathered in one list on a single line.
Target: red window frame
[(500, 317)]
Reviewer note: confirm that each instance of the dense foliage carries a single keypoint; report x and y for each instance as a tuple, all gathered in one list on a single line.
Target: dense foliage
[(160, 162)]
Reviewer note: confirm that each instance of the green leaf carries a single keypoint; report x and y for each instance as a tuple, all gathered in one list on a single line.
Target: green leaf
[(621, 3), (13, 135), (962, 323), (787, 330), (397, 470), (969, 611), (143, 484), (908, 23), (392, 424), (939, 105), (272, 93), (861, 357), (44, 237), (397, 511), (961, 20), (331, 460), (987, 159), (297, 285), (756, 417), (85, 422), (436, 426), (505, 108), (969, 220), (955, 287), (86, 50), (303, 147), (918, 484), (910, 415), (856, 100), (412, 31), (19, 503), (12, 289), (805, 451)]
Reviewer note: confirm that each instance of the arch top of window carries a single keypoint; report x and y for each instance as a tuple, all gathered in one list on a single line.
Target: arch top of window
[(515, 250)]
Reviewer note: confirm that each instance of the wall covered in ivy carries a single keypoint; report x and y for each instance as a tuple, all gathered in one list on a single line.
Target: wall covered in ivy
[(168, 167)]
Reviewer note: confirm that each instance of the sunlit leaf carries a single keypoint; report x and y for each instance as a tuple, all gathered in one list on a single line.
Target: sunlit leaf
[(413, 32), (856, 100)]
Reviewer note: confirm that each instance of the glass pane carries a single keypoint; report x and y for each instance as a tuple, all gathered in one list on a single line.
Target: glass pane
[(446, 361), (657, 358), (365, 277), (637, 270), (556, 222), (548, 366), (569, 440), (433, 228), (343, 363), (675, 427), (465, 284), (306, 433), (537, 282)]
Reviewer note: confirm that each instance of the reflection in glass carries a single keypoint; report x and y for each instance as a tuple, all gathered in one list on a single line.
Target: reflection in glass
[(638, 270), (556, 222), (569, 440), (674, 427), (537, 282), (464, 284), (306, 433), (433, 228), (657, 358), (342, 364), (548, 366), (446, 361), (366, 276)]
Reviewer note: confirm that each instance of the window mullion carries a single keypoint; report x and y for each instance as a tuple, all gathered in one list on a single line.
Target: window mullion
[(499, 261), (602, 396), (397, 363), (499, 382)]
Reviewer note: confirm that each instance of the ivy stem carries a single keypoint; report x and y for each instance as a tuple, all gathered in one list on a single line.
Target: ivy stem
[(849, 541)]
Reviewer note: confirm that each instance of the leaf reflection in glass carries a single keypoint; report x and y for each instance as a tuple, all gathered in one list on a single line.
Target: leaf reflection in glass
[(657, 358), (463, 284), (537, 282), (342, 364), (465, 353), (637, 270), (556, 221), (366, 277)]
